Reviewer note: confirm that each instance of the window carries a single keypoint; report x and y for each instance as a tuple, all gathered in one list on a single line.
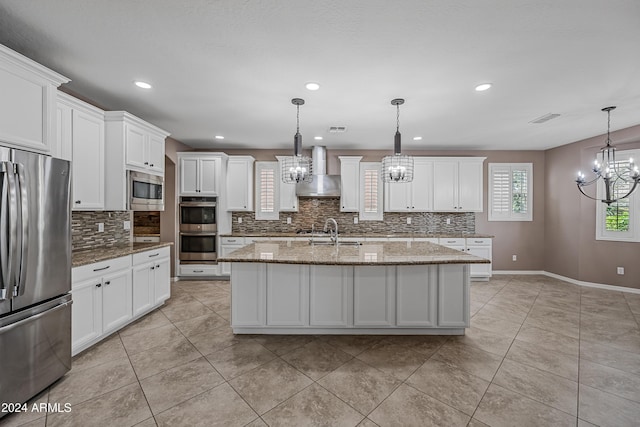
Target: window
[(619, 221), (510, 192), (371, 187), (266, 191)]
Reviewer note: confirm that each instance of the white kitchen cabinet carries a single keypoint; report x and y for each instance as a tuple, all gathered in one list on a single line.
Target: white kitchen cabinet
[(350, 183), (28, 114), (142, 142), (287, 299), (151, 279), (240, 183), (287, 192), (416, 290), (456, 243), (131, 144), (200, 174), (82, 133), (248, 282), (453, 296), (457, 184), (228, 245), (374, 296), (101, 300), (415, 196), (330, 296), (481, 247), (64, 144)]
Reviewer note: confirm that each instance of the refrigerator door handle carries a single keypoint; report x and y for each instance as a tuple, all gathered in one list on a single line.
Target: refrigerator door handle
[(8, 221), (21, 265)]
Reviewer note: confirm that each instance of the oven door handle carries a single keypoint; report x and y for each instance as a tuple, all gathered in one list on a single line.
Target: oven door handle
[(198, 204), (206, 234)]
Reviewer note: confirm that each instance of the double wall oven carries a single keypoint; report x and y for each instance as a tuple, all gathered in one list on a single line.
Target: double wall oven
[(198, 230)]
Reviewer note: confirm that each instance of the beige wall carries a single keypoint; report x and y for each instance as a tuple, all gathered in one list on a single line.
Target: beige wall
[(169, 217), (571, 248)]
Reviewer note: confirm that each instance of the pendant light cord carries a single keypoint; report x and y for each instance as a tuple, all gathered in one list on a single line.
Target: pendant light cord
[(608, 127), (397, 117), (298, 118)]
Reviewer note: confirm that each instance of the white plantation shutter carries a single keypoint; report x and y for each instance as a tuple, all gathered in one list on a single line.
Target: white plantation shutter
[(510, 191), (371, 187), (266, 190)]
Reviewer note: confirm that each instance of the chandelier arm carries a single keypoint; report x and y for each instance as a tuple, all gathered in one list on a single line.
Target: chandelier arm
[(635, 184), (588, 196)]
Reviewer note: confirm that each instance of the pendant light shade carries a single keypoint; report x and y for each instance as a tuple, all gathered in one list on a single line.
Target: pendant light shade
[(398, 167), (297, 168), (620, 178)]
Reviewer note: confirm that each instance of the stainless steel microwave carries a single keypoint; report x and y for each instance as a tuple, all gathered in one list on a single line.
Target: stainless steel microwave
[(146, 192)]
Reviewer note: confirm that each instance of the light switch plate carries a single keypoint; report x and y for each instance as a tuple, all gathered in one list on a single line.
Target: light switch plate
[(101, 227), (288, 220), (408, 220), (127, 225), (239, 220), (355, 219)]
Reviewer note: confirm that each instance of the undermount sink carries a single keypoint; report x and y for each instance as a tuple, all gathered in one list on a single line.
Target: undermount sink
[(325, 243)]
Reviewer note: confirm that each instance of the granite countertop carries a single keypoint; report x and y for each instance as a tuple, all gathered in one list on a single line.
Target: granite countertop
[(368, 253), (347, 235), (89, 256)]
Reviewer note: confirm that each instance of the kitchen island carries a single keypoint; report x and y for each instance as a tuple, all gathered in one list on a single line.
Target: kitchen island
[(401, 288)]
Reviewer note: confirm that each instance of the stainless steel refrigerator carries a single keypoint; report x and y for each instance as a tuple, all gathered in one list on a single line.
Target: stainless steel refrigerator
[(35, 273)]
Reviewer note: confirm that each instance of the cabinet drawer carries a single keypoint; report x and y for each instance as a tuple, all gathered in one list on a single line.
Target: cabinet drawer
[(249, 240), (99, 269), (198, 270), (148, 256), (232, 240), (426, 239), (452, 241), (478, 242), (146, 239)]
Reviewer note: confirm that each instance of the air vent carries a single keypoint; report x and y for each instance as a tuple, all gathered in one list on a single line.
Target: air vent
[(337, 129), (545, 118)]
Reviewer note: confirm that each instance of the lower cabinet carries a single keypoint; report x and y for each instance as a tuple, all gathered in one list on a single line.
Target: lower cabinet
[(110, 294), (286, 298)]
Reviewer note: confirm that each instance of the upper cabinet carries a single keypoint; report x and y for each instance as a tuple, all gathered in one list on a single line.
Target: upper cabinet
[(80, 137), (200, 173), (415, 196), (240, 183), (130, 144), (350, 183), (457, 184), (28, 114)]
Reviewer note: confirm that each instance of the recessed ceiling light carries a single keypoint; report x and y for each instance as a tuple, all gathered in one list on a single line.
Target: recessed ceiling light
[(219, 137), (317, 138), (141, 84), (417, 138), (483, 86), (312, 86)]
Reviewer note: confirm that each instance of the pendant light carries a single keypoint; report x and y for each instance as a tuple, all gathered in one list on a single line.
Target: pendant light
[(619, 180), (398, 167), (297, 168)]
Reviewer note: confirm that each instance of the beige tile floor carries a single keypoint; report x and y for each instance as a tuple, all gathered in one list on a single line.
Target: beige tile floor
[(539, 352)]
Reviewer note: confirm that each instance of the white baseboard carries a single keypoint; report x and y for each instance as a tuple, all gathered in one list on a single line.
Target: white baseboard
[(570, 280)]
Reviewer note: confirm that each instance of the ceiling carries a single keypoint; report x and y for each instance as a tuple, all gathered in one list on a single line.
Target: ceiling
[(231, 67)]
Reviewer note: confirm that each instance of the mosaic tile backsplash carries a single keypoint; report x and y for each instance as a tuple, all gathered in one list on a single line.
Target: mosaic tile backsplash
[(84, 229), (316, 211)]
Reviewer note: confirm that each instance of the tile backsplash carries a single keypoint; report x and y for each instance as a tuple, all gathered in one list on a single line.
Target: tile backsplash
[(85, 234), (316, 211)]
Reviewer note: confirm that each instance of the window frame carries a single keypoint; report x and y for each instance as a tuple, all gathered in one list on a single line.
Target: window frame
[(633, 235), (511, 216), (259, 213), (365, 215)]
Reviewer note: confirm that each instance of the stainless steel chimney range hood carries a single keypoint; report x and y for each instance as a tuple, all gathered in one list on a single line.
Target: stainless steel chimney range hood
[(322, 185)]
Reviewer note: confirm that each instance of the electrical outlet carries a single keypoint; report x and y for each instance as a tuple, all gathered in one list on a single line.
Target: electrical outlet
[(288, 220), (127, 225), (514, 257), (101, 227), (355, 219), (448, 221), (239, 220), (408, 220), (621, 271)]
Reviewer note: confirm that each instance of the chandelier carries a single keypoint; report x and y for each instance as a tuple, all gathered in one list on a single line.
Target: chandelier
[(619, 180), (296, 168), (398, 167)]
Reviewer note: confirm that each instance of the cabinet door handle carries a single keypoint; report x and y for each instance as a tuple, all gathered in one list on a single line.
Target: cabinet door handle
[(77, 202), (98, 285), (146, 163), (151, 165), (198, 271), (478, 241), (153, 268), (152, 255), (100, 269), (158, 266), (107, 283)]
